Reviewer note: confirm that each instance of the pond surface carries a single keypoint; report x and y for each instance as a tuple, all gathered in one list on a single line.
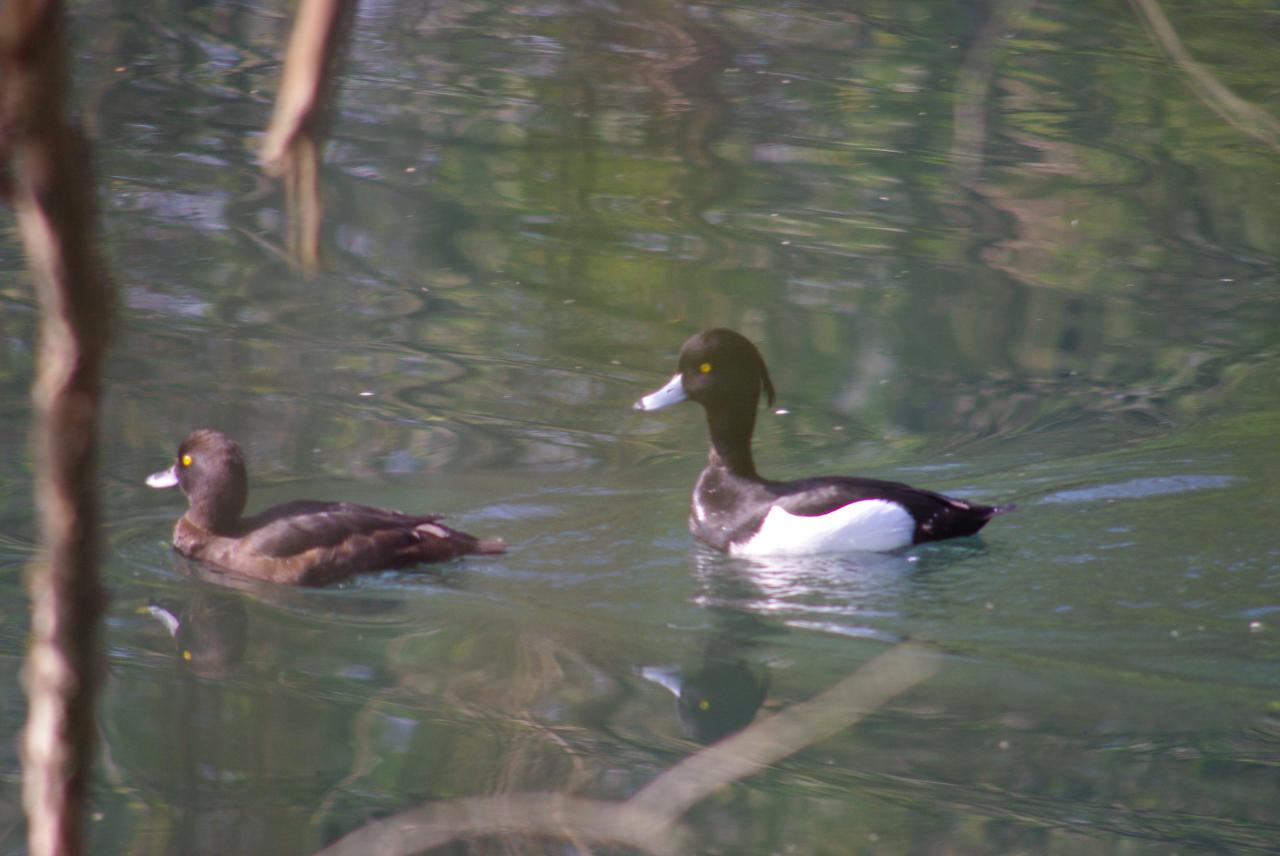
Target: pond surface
[(1016, 252)]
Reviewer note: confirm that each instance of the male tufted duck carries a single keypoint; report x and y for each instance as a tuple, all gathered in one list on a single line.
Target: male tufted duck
[(298, 543), (736, 510)]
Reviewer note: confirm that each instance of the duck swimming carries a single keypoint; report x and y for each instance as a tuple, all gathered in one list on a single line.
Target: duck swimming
[(736, 510), (307, 542)]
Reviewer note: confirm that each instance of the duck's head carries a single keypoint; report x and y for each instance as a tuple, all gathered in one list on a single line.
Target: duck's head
[(719, 369), (210, 470)]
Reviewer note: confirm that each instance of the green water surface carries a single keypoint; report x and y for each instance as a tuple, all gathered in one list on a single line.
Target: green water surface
[(1018, 252)]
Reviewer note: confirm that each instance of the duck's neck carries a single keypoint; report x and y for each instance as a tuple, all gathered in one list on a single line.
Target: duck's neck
[(218, 513), (731, 428)]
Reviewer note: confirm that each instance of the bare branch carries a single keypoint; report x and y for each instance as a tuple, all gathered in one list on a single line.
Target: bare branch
[(649, 821), (785, 733), (302, 85), (552, 815), (290, 148), (48, 181)]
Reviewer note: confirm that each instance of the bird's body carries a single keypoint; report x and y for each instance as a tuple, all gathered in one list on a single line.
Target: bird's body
[(737, 510), (305, 542)]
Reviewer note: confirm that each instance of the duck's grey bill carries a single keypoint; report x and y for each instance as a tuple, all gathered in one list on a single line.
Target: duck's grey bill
[(672, 393), (164, 478)]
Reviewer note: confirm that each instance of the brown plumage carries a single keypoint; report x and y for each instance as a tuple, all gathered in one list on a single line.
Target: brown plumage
[(305, 542)]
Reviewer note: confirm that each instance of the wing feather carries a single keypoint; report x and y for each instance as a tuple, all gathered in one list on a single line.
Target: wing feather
[(296, 527)]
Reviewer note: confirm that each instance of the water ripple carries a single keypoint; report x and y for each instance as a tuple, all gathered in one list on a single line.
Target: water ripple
[(1142, 488)]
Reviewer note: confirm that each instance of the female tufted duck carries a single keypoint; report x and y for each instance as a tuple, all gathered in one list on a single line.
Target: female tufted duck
[(298, 543), (736, 510)]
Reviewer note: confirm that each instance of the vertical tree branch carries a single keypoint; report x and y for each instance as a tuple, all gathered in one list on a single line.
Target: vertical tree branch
[(48, 181), (291, 146)]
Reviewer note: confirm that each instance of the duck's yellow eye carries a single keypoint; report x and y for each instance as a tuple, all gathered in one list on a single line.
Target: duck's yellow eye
[(704, 705), (704, 368), (186, 654), (186, 460)]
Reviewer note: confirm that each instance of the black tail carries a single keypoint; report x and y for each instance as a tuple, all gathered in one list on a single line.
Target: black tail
[(958, 519)]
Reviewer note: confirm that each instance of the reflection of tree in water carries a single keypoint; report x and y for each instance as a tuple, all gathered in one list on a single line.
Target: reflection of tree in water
[(650, 819), (527, 726), (1112, 262), (650, 160), (495, 693)]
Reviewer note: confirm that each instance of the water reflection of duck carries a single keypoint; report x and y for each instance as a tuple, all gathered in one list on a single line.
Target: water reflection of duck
[(736, 510), (717, 699), (210, 631), (299, 543)]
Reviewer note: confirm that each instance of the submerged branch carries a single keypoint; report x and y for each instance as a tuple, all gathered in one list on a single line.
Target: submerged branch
[(551, 815), (50, 186), (771, 739), (649, 821)]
